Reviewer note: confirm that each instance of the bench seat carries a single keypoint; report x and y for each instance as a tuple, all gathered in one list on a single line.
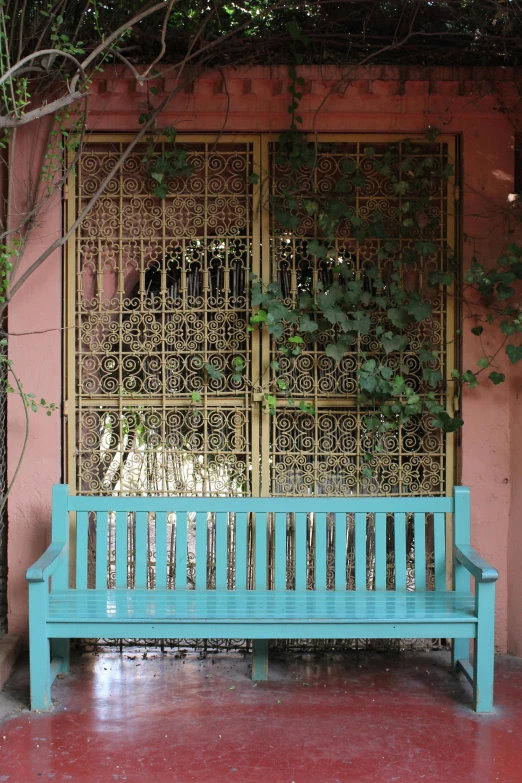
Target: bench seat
[(269, 606)]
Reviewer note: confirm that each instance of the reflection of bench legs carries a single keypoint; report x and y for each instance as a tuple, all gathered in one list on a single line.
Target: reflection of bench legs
[(260, 659)]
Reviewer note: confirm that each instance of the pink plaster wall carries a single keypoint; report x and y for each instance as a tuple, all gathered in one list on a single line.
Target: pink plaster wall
[(458, 101)]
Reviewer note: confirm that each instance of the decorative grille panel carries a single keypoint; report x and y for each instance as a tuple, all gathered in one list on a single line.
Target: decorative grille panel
[(326, 453), (161, 294), (158, 295)]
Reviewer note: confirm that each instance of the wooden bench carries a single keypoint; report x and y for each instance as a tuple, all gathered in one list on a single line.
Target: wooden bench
[(261, 606)]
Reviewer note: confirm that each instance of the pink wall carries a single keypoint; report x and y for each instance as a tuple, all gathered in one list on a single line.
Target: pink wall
[(379, 99)]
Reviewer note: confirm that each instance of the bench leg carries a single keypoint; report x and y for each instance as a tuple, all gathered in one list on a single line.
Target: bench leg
[(260, 659), (484, 644), (39, 648), (60, 649), (459, 651)]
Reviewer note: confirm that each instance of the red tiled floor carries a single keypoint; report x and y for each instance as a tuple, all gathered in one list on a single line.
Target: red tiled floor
[(354, 718)]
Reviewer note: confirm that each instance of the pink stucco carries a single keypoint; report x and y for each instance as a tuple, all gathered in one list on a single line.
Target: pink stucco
[(458, 101)]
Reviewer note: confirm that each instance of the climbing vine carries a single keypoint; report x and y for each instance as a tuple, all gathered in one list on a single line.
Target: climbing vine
[(387, 301)]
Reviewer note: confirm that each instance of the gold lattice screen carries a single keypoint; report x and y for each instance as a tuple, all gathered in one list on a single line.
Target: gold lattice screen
[(158, 289)]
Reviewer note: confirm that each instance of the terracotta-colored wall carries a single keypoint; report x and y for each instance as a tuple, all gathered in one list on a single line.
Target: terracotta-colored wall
[(459, 101)]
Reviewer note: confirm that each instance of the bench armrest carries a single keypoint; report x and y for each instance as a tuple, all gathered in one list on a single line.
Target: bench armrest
[(477, 567), (47, 563)]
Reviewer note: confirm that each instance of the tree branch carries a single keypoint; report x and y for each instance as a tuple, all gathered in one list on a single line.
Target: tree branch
[(42, 111)]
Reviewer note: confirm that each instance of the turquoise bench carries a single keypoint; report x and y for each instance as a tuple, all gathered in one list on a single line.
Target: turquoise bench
[(261, 606)]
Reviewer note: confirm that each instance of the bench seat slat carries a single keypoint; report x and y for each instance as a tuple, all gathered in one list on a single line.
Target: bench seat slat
[(142, 520), (439, 546), (400, 551), (280, 551), (320, 551), (300, 551), (201, 550), (340, 551), (82, 535), (248, 605), (419, 533), (121, 548), (380, 551), (102, 544), (181, 550), (221, 551), (161, 549)]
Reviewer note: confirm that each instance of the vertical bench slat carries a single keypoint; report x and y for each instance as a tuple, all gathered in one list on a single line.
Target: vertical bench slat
[(340, 551), (201, 550), (121, 548), (221, 550), (140, 578), (241, 550), (400, 551), (181, 550), (439, 545), (419, 533), (360, 550), (380, 551), (320, 551), (102, 549), (161, 549), (82, 535), (300, 551), (260, 560), (280, 550)]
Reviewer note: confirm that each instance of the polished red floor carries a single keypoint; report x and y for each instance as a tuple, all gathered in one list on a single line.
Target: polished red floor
[(354, 718)]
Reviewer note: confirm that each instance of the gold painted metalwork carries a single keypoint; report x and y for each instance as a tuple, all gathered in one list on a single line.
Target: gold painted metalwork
[(158, 289)]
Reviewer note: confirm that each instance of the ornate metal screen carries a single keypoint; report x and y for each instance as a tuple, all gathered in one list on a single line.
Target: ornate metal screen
[(324, 453), (158, 300)]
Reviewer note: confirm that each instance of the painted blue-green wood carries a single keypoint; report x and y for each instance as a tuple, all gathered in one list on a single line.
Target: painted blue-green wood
[(39, 647), (326, 504), (280, 551), (47, 565), (102, 549), (241, 551), (221, 551), (60, 651), (475, 564), (261, 614), (340, 551), (380, 551), (484, 658), (60, 532), (260, 659), (400, 551), (161, 550), (201, 550), (140, 577), (300, 551), (260, 548), (461, 577), (320, 550), (439, 550), (121, 548), (181, 550), (82, 534), (360, 550), (419, 537)]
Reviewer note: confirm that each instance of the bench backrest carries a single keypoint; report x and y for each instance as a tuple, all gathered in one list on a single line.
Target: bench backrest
[(257, 543)]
